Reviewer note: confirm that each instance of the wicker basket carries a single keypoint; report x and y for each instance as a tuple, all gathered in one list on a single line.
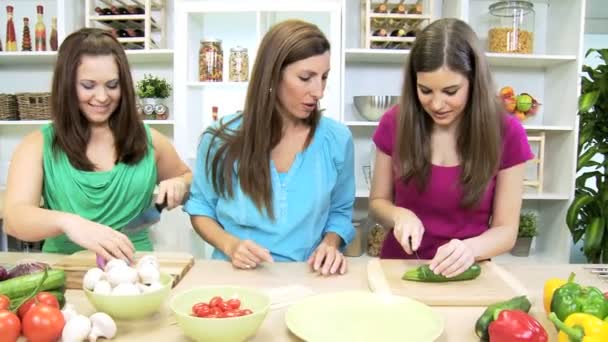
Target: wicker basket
[(34, 106), (8, 107)]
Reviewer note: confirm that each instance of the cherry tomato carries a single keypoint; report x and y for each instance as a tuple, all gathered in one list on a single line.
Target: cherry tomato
[(224, 306), (234, 303), (216, 301), (246, 312), (201, 309), (227, 314), (42, 298), (214, 311), (43, 323), (10, 326), (5, 302)]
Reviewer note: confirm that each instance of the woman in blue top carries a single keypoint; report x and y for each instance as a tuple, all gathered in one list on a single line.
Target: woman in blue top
[(276, 182)]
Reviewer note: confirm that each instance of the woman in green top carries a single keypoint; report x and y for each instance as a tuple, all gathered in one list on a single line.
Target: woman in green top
[(97, 164)]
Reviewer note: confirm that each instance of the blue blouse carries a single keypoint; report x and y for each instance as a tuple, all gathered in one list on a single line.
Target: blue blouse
[(313, 198)]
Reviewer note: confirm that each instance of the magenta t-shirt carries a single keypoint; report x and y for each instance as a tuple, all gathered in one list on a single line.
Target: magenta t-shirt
[(438, 206)]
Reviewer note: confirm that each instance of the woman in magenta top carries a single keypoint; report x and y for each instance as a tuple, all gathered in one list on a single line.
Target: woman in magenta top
[(449, 168)]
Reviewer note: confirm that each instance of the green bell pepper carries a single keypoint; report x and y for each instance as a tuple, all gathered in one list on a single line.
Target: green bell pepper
[(572, 297)]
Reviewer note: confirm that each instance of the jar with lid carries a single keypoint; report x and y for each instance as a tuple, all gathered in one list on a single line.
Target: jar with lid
[(211, 59), (239, 64), (512, 28)]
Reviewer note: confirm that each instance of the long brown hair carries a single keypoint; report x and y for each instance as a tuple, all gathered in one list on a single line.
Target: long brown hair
[(72, 130), (261, 128), (451, 42)]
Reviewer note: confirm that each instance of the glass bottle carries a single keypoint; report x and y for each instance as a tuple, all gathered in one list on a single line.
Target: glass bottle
[(512, 27), (214, 113), (40, 30), (11, 37), (26, 42), (53, 40), (211, 59), (239, 64)]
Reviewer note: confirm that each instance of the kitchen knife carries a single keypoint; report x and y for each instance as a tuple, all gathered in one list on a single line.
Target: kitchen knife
[(416, 254), (144, 220)]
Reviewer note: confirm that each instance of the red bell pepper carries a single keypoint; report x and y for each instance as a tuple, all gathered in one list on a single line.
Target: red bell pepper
[(516, 326)]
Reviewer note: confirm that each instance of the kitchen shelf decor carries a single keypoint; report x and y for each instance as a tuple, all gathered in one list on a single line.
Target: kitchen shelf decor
[(537, 142), (394, 25), (137, 24)]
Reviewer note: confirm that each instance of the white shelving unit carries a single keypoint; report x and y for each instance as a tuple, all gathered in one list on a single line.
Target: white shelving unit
[(551, 74)]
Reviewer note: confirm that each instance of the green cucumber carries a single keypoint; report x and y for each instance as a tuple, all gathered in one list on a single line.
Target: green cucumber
[(24, 285), (521, 303), (424, 274)]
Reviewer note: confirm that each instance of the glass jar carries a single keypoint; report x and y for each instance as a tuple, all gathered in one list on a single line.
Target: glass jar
[(512, 28), (239, 64), (211, 59)]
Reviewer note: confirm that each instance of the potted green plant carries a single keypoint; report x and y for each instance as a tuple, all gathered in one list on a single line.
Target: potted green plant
[(587, 215), (152, 90), (526, 233)]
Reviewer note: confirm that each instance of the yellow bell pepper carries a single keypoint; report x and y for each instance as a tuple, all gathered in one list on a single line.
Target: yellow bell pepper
[(550, 286), (580, 327)]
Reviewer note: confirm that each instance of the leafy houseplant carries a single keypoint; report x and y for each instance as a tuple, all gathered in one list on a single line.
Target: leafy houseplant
[(527, 231), (153, 87), (588, 212), (151, 90)]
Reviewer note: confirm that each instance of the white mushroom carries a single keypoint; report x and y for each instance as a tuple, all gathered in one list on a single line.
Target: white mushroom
[(148, 274), (69, 312), (148, 260), (77, 329), (150, 288), (126, 289), (114, 263), (102, 325), (122, 275), (103, 287), (92, 277)]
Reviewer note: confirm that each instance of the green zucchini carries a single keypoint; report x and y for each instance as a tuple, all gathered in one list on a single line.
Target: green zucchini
[(24, 285), (423, 273)]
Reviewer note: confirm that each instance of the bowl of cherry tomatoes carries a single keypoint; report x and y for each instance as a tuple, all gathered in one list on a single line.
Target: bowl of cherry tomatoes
[(220, 313)]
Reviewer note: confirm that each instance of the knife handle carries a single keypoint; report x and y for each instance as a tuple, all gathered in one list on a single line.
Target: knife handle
[(161, 206)]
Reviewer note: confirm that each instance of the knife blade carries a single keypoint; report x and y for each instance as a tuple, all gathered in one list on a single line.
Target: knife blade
[(416, 254), (144, 220)]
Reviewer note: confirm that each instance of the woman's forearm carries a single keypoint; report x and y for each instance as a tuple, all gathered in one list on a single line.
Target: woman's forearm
[(209, 230), (383, 211), (30, 223), (493, 242)]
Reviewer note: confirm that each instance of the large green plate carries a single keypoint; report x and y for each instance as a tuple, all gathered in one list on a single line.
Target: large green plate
[(363, 316)]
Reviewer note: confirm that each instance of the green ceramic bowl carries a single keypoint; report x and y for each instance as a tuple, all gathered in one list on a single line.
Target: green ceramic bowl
[(220, 329), (362, 316), (132, 307)]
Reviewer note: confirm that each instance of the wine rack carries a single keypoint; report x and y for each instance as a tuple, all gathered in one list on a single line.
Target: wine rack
[(137, 24), (393, 24)]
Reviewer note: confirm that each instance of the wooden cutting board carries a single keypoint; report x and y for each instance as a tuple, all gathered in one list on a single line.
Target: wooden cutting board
[(76, 265), (494, 284)]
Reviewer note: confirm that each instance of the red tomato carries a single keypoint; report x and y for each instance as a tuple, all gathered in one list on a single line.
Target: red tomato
[(246, 312), (216, 301), (234, 303), (42, 298), (224, 306), (10, 326), (201, 309), (214, 311), (5, 302), (227, 314), (43, 323)]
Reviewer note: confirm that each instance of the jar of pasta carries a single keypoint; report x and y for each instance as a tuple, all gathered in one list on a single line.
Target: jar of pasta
[(239, 64), (512, 27), (211, 61)]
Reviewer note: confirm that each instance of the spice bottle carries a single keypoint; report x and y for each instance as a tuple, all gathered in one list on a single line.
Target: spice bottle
[(239, 64), (40, 30), (26, 42), (211, 59), (11, 37), (53, 39), (214, 113)]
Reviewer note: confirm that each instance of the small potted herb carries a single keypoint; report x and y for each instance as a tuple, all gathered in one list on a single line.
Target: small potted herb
[(526, 233), (152, 90)]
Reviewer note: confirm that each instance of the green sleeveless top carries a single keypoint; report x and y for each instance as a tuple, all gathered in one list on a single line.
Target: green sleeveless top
[(111, 197)]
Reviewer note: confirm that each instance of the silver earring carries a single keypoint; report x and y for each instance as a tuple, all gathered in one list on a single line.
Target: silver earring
[(270, 90)]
